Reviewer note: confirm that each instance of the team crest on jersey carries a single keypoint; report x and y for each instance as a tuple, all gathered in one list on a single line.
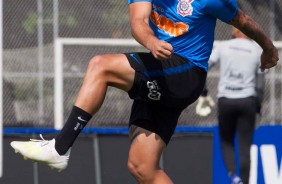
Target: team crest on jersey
[(184, 7)]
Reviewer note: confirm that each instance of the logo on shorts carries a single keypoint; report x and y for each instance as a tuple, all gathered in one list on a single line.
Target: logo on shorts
[(154, 93), (184, 7)]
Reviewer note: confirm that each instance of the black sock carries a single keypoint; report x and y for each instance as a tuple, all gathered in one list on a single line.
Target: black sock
[(77, 120)]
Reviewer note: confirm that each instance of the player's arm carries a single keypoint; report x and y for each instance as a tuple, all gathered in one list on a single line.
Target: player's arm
[(249, 27), (139, 21)]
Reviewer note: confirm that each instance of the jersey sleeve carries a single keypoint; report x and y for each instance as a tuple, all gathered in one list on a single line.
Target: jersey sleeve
[(225, 10), (133, 1)]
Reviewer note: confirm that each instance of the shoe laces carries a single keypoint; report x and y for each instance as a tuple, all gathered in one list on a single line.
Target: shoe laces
[(42, 140)]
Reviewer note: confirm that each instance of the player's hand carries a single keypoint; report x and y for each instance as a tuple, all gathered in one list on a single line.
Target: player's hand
[(269, 58), (204, 105), (161, 50)]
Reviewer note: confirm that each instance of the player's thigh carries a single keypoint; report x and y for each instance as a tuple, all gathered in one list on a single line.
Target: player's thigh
[(227, 118), (118, 71), (247, 119), (146, 147)]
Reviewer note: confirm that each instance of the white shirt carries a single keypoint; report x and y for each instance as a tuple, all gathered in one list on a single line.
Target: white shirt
[(239, 63)]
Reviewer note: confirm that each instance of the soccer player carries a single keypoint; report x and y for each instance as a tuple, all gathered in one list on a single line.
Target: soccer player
[(179, 35), (240, 94)]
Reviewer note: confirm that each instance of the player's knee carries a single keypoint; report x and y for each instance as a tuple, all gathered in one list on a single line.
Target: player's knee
[(140, 172), (134, 169), (97, 64)]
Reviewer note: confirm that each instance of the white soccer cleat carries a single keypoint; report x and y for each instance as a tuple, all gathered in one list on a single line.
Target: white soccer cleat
[(42, 151)]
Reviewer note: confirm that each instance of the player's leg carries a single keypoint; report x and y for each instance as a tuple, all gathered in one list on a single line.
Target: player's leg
[(102, 71), (144, 155), (245, 129), (227, 118), (151, 128)]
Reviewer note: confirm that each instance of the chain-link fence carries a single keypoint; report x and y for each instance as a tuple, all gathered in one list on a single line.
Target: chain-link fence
[(31, 26)]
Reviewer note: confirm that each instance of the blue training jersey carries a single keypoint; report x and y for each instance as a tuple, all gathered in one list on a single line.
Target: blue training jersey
[(188, 25)]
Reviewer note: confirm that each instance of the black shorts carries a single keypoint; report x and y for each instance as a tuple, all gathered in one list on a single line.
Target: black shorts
[(161, 90)]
